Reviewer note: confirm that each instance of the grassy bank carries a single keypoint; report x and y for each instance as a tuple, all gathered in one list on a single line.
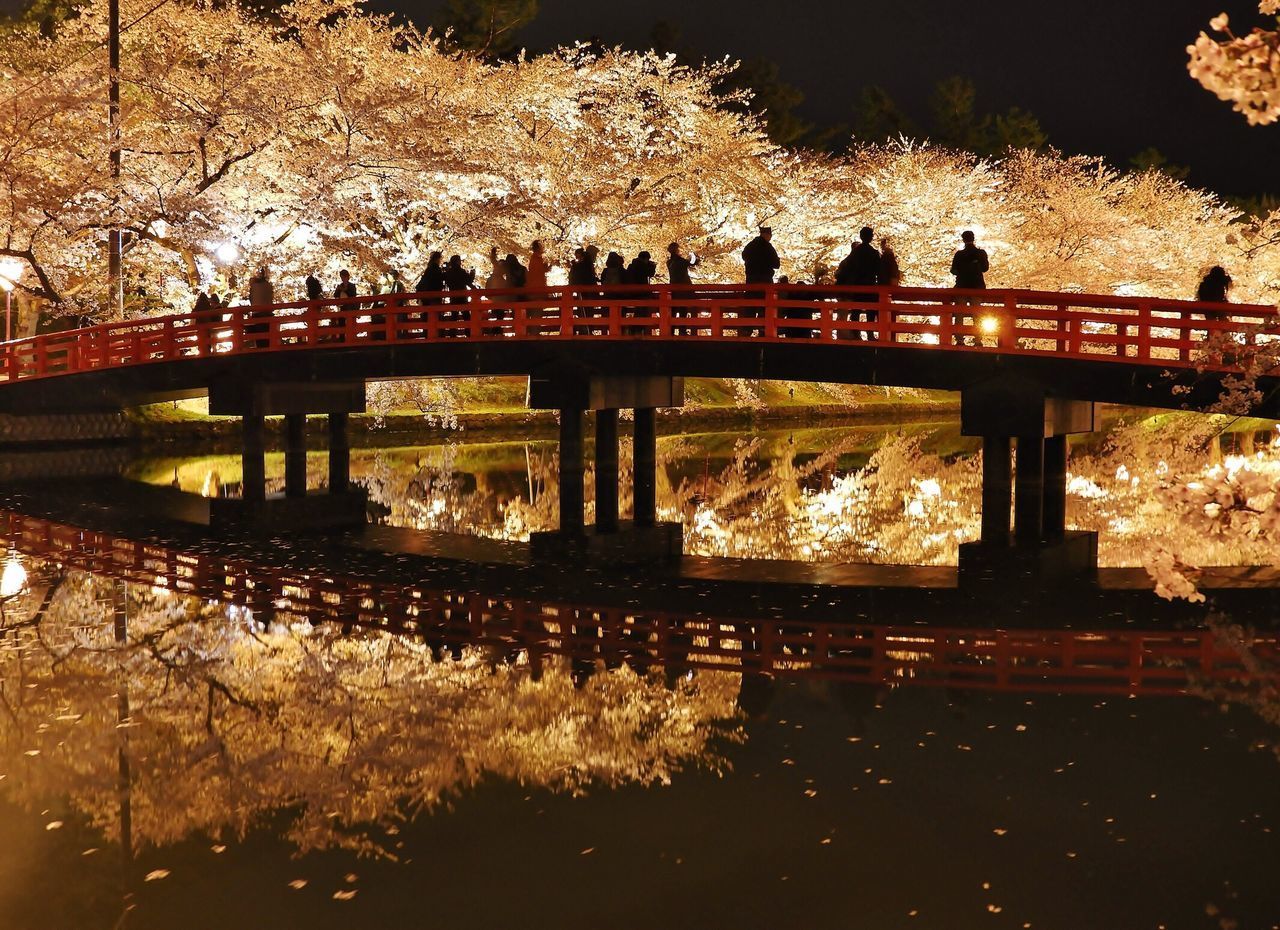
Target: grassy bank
[(496, 406)]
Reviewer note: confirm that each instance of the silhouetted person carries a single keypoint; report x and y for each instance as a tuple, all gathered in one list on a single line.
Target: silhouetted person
[(202, 304), (890, 274), (432, 280), (346, 287), (396, 285), (796, 305), (517, 274), (678, 265), (582, 273), (615, 270), (760, 259), (1214, 286), (458, 279), (861, 267), (499, 276), (537, 275), (261, 294), (969, 265), (862, 264), (315, 290), (642, 269), (261, 291)]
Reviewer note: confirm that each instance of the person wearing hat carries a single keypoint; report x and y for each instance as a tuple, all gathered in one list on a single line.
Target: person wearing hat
[(760, 258)]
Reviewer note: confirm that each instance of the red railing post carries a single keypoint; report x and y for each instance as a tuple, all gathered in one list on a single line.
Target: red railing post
[(1144, 329), (769, 326), (569, 306), (395, 306)]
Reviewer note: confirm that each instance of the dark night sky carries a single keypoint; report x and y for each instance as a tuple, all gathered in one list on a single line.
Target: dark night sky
[(1104, 76)]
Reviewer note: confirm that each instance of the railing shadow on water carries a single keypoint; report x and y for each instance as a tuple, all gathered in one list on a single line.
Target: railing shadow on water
[(1092, 661)]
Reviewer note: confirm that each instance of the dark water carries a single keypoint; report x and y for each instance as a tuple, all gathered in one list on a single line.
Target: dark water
[(446, 755)]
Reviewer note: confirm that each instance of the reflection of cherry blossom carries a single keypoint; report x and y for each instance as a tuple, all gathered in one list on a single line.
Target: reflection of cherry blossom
[(346, 734)]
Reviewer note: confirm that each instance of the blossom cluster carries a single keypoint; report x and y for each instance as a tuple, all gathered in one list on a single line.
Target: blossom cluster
[(1243, 70)]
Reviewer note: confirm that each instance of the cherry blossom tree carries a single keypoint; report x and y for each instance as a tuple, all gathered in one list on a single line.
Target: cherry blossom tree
[(1243, 70)]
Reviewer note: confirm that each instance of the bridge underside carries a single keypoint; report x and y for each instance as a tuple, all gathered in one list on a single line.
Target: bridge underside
[(845, 363)]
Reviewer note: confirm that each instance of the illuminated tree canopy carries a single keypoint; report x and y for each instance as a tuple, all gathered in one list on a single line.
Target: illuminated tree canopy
[(325, 137)]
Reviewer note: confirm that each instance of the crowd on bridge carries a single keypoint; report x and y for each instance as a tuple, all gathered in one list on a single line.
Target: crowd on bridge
[(447, 282)]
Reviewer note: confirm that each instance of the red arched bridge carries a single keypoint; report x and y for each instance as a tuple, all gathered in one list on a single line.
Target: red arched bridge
[(1080, 346), (1028, 365)]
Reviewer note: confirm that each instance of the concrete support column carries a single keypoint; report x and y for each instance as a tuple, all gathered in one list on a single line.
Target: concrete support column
[(1028, 495), (606, 471), (339, 454), (997, 490), (295, 455), (253, 457), (645, 467), (1055, 488), (571, 471)]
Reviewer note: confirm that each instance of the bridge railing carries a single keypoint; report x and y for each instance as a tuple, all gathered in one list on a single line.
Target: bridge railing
[(1136, 330), (1151, 662)]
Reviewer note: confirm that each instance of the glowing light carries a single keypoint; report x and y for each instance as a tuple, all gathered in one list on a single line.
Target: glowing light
[(989, 325), (10, 272), (227, 252), (14, 578)]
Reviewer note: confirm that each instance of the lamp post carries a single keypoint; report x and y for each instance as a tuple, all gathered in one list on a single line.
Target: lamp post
[(10, 271), (115, 236)]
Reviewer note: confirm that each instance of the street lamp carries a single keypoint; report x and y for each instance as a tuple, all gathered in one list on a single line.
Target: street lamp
[(14, 578), (227, 252), (10, 272)]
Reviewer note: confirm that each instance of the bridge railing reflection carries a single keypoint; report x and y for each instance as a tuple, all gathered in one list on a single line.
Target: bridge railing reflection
[(1094, 661), (1136, 330)]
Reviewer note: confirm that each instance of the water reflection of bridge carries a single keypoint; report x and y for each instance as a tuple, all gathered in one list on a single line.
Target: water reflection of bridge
[(535, 628)]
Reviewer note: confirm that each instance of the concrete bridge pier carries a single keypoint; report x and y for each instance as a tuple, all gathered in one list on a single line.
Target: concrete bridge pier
[(300, 507), (339, 453), (644, 467), (607, 470), (1003, 411), (253, 457), (295, 455), (610, 540)]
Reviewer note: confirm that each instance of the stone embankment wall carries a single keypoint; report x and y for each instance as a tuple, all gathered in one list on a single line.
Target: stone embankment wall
[(41, 446), (66, 427)]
